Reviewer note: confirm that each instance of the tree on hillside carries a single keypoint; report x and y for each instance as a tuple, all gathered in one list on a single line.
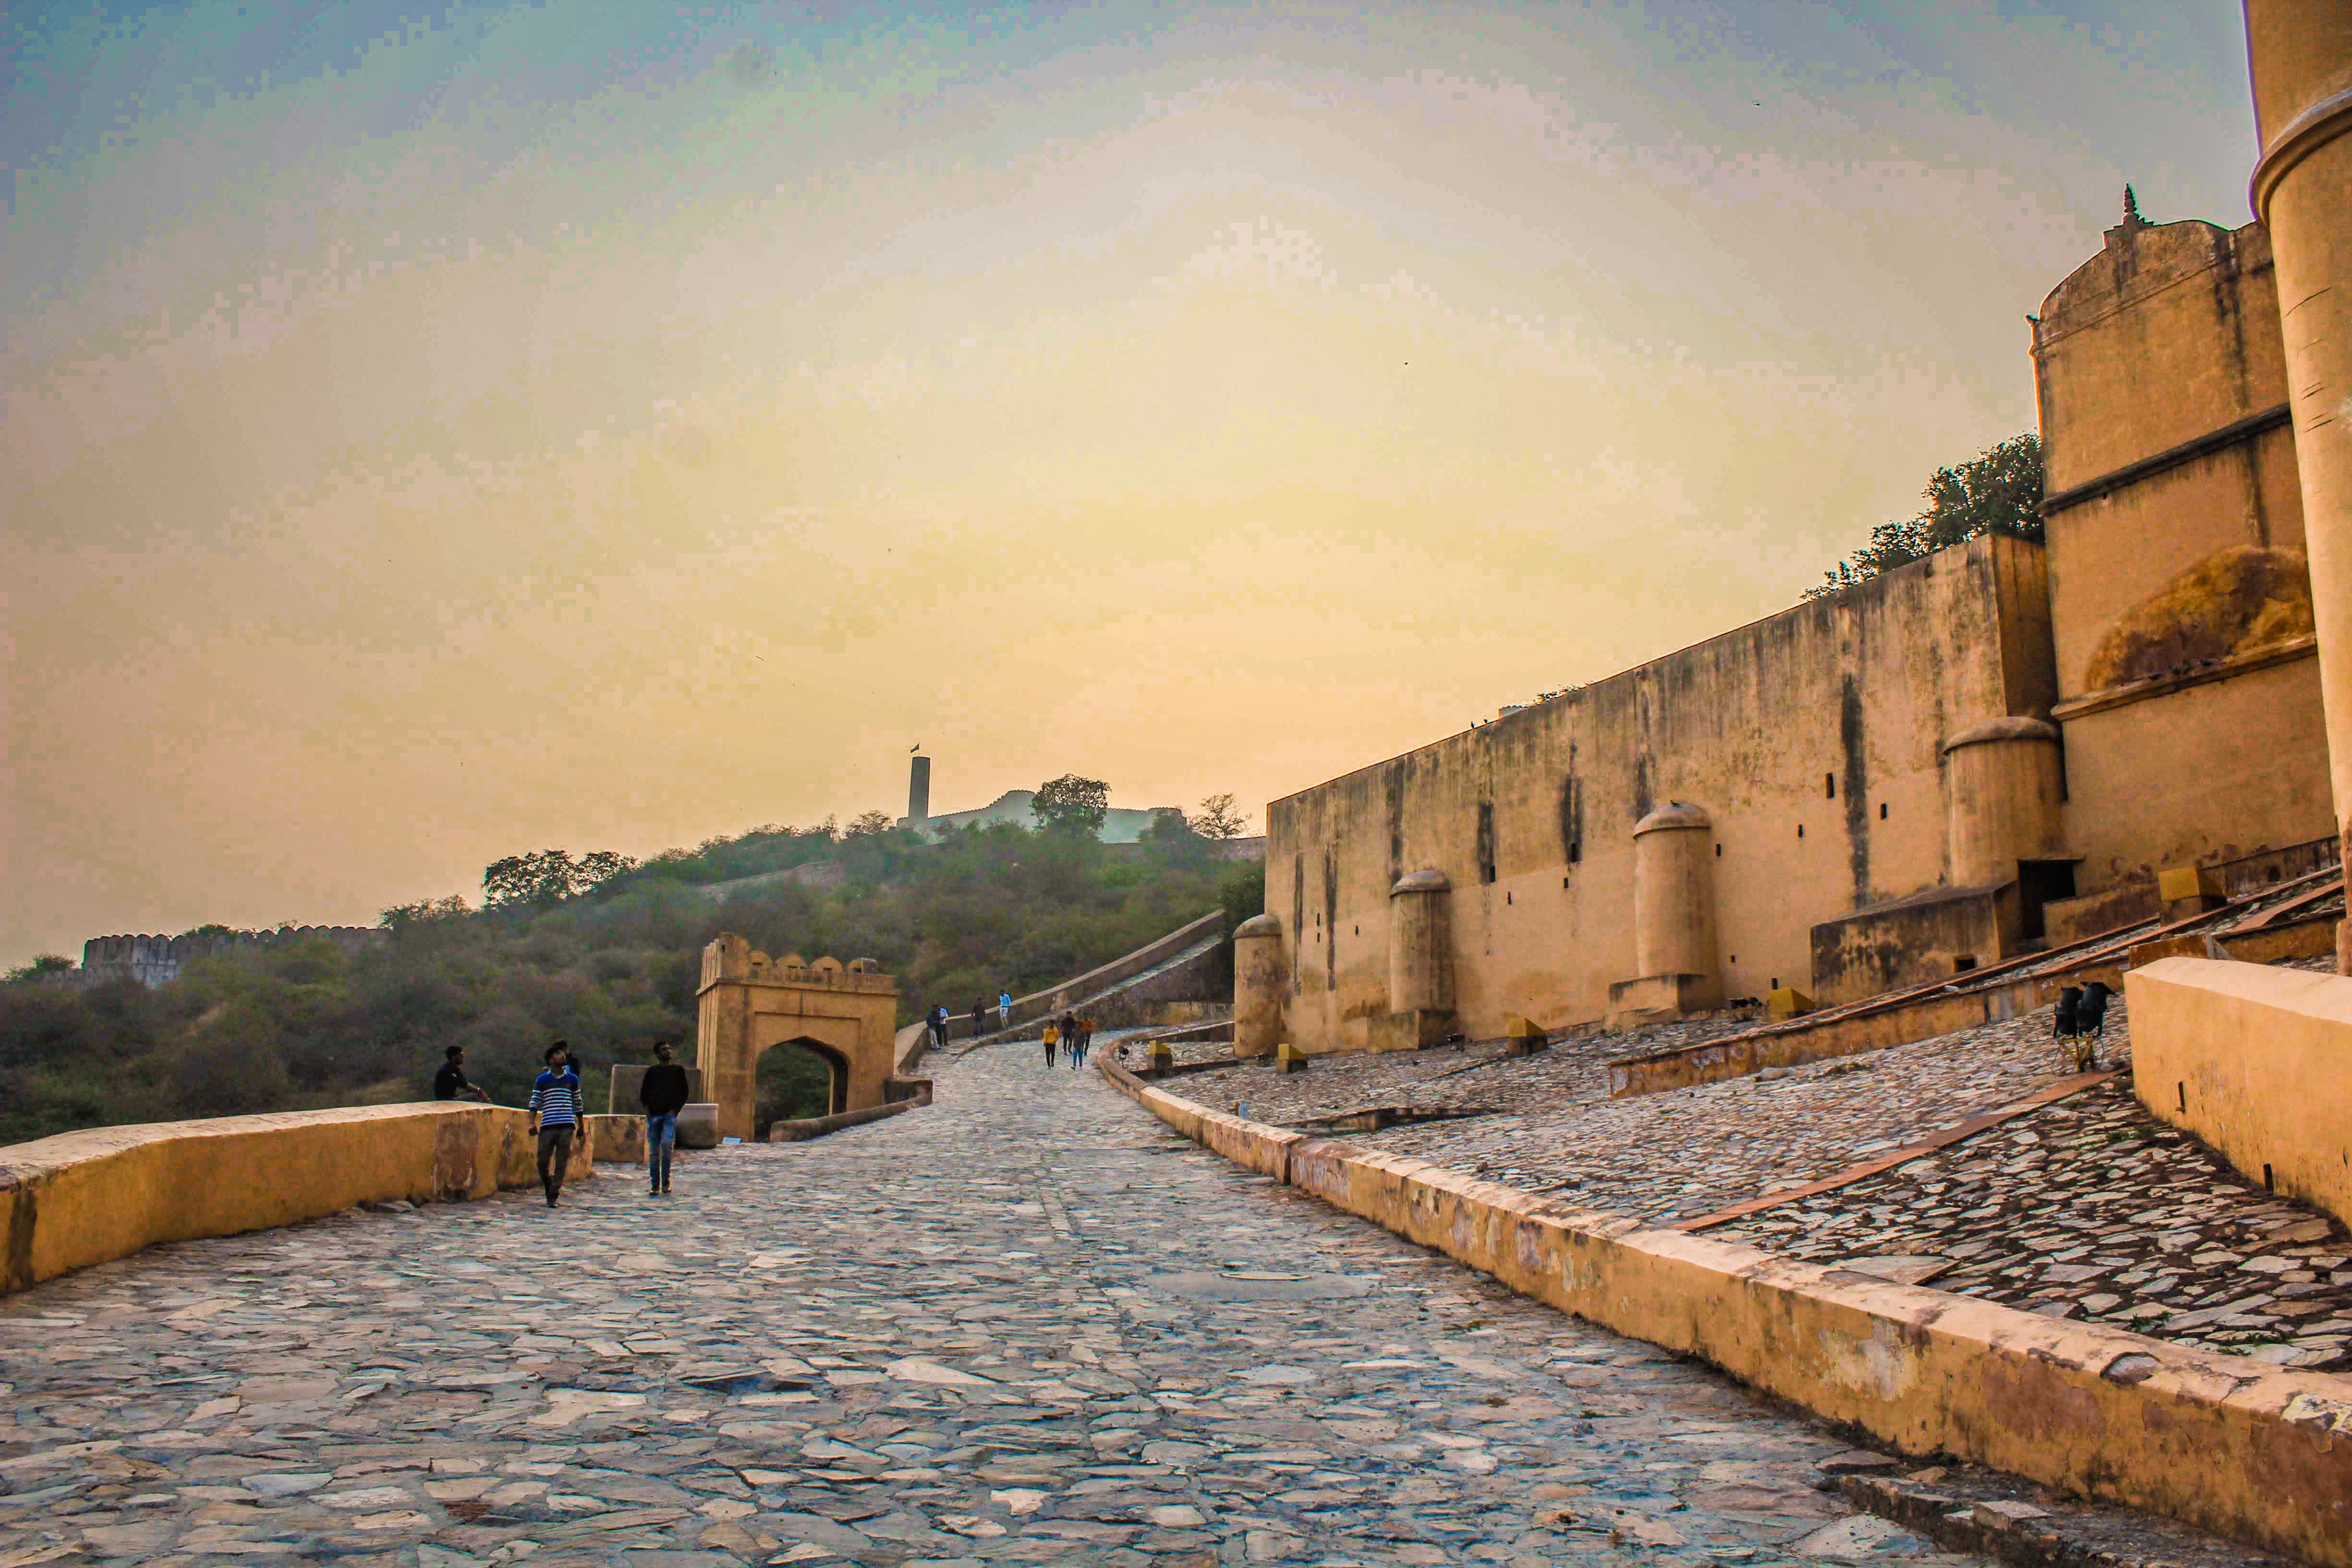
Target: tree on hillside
[(1217, 820), (1072, 805), (1998, 490), (548, 877), (425, 911), (867, 824)]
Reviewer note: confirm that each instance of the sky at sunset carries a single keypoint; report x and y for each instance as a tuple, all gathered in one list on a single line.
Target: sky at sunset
[(435, 434)]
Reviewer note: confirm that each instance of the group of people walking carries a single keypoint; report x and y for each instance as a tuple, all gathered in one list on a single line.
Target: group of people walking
[(556, 1110), (938, 1021), (1071, 1035)]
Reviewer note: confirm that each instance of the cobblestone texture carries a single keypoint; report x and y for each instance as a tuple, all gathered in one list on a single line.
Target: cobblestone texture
[(2088, 1208), (1024, 1324)]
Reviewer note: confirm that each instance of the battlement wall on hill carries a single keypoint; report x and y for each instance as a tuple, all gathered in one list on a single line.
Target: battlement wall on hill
[(154, 960)]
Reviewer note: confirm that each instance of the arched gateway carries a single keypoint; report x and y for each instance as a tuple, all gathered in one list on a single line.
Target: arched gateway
[(846, 1014)]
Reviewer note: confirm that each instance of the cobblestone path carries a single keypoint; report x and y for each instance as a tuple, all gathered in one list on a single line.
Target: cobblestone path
[(1024, 1324), (2089, 1208)]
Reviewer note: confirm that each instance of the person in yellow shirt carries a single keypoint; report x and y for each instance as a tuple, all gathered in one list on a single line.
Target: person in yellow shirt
[(1053, 1036)]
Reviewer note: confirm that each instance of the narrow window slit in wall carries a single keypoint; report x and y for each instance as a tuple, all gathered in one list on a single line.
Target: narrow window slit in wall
[(1882, 811), (1801, 830), (1829, 782), (1718, 851)]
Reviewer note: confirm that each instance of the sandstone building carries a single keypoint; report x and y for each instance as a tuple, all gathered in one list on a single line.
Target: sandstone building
[(1978, 754)]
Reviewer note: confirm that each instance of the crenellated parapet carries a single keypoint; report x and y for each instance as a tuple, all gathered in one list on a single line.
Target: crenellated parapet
[(731, 959), (154, 960)]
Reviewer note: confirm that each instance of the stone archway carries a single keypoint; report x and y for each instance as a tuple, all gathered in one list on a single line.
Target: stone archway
[(836, 1065), (750, 1004)]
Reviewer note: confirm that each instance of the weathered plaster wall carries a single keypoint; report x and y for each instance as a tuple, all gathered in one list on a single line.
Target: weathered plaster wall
[(87, 1197), (2257, 1062), (2169, 339), (1827, 717), (2198, 775)]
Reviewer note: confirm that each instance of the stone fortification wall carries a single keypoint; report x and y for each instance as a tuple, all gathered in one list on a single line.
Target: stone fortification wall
[(1814, 741), (154, 960), (2180, 597)]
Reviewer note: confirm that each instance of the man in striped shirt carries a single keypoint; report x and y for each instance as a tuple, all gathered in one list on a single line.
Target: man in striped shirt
[(555, 1113)]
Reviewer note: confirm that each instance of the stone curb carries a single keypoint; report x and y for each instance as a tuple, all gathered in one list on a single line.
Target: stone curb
[(2025, 1536), (2260, 1454), (808, 1127)]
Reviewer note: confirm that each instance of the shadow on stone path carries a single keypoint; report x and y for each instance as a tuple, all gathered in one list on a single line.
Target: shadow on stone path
[(1024, 1324)]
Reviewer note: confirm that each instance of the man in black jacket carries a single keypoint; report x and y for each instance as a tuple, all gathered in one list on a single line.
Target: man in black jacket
[(662, 1094)]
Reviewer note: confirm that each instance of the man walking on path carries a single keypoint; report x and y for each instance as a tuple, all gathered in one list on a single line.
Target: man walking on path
[(935, 1024), (663, 1092), (1051, 1034), (450, 1082), (1005, 1009), (555, 1117), (979, 1015)]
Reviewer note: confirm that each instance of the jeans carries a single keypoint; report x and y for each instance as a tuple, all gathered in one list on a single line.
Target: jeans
[(554, 1156), (661, 1139)]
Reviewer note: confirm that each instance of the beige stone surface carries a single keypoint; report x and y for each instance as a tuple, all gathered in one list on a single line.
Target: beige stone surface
[(2255, 1060)]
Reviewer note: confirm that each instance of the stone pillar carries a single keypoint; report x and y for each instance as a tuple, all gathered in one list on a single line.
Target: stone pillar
[(1260, 979), (1674, 922), (1421, 963), (1420, 967), (1674, 892), (722, 1035), (2006, 789), (919, 792), (2300, 52)]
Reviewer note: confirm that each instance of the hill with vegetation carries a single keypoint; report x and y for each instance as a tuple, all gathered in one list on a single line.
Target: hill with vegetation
[(603, 953)]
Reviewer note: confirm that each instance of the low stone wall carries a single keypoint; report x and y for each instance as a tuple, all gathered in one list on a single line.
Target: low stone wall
[(105, 1192), (617, 1140), (2255, 1061), (1921, 1018), (2252, 1451), (808, 1127)]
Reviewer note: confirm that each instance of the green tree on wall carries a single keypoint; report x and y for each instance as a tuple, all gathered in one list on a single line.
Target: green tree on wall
[(1998, 490), (1071, 805)]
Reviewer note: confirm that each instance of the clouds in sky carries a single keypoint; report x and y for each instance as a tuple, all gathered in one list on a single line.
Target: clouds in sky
[(435, 432)]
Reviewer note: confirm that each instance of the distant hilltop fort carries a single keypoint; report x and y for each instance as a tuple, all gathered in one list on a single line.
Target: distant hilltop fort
[(1119, 824), (154, 960)]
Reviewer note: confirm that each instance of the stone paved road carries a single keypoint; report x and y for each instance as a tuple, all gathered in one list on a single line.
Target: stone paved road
[(1022, 1325)]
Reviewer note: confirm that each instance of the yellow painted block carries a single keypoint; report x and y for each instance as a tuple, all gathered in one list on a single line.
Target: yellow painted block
[(1787, 1003), (1288, 1057), (1519, 1028), (2187, 882)]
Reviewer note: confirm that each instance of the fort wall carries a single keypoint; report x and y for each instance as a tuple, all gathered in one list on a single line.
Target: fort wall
[(155, 960), (1814, 741), (2179, 594)]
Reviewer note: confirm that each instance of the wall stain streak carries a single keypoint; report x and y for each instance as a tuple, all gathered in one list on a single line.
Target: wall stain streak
[(1331, 918), (1855, 781)]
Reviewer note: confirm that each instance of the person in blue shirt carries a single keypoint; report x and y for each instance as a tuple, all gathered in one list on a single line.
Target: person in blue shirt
[(1005, 1009), (555, 1116)]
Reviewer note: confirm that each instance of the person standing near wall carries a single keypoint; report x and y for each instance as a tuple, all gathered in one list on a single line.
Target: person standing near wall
[(978, 1014), (1051, 1033), (555, 1117), (663, 1092), (1005, 1009)]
